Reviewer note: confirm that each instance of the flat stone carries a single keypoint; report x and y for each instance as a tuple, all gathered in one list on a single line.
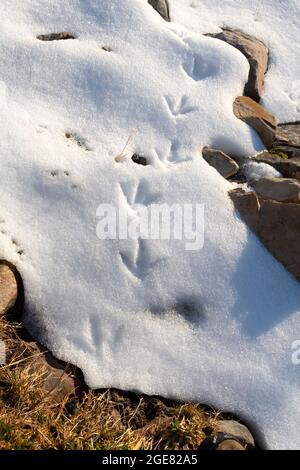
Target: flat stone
[(8, 289), (247, 204), (279, 230), (162, 7), (277, 224), (290, 151), (58, 381), (236, 429), (257, 117), (287, 139), (230, 444), (257, 54), (289, 133), (225, 165), (278, 189)]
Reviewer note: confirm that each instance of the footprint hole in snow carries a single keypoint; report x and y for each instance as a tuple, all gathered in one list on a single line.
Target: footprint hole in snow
[(200, 68), (77, 139)]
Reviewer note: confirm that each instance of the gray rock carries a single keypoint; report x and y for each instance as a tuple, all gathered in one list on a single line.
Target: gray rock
[(289, 133), (278, 189), (287, 139), (236, 429), (162, 7), (230, 444), (225, 165), (256, 53), (289, 150)]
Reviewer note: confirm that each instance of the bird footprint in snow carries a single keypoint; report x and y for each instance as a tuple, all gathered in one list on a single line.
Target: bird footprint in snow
[(172, 156), (139, 263), (14, 242), (179, 107)]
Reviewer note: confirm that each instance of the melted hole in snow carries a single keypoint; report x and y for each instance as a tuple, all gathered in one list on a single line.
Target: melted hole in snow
[(56, 36), (139, 160), (190, 309)]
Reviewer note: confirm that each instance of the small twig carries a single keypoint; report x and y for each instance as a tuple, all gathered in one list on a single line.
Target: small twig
[(120, 157)]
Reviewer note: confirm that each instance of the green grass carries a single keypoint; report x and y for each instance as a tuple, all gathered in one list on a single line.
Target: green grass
[(279, 154)]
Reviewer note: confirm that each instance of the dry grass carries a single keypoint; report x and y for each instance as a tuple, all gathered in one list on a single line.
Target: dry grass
[(110, 419)]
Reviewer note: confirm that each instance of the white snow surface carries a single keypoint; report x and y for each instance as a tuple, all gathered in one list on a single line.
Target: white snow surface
[(257, 170), (275, 22), (116, 308)]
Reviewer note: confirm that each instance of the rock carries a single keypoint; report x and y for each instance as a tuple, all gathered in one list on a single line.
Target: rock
[(139, 159), (225, 165), (290, 151), (230, 444), (289, 133), (277, 224), (287, 140), (58, 381), (257, 117), (162, 7), (8, 288), (256, 53), (278, 189), (56, 36), (288, 167), (279, 230), (247, 205), (236, 429), (223, 441)]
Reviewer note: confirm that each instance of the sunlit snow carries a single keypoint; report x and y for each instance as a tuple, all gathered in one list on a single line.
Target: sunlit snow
[(117, 308)]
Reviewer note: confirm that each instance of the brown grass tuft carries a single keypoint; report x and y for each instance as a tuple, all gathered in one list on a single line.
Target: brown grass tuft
[(110, 419)]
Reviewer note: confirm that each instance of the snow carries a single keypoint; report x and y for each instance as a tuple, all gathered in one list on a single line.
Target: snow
[(275, 22), (214, 325), (255, 171)]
